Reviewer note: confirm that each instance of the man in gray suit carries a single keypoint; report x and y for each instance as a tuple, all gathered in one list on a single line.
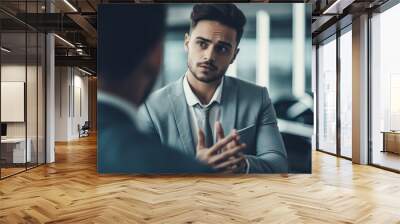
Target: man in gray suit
[(183, 113), (128, 65)]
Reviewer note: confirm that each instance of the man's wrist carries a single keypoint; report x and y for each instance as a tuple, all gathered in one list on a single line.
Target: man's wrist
[(247, 167), (244, 167)]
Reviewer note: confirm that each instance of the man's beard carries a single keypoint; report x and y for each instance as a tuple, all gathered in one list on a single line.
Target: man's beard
[(207, 79)]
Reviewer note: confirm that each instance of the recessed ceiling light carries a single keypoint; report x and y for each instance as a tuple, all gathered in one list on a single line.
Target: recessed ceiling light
[(84, 71), (64, 40), (5, 50), (337, 7), (70, 5)]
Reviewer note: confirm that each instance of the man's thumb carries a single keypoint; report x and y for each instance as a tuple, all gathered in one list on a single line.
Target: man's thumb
[(200, 139)]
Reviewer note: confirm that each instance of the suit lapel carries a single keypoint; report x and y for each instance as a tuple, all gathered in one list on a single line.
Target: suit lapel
[(181, 115), (228, 105)]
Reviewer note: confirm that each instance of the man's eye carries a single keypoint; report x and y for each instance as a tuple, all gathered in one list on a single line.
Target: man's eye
[(222, 49), (202, 44)]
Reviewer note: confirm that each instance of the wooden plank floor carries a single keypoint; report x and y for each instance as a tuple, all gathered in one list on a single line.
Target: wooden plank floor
[(70, 191)]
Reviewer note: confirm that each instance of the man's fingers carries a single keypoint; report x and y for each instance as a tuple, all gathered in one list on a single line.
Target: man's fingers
[(228, 163), (235, 168), (200, 139), (221, 144), (219, 130), (237, 138), (226, 154)]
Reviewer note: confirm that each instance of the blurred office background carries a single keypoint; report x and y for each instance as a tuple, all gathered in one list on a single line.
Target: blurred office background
[(275, 51)]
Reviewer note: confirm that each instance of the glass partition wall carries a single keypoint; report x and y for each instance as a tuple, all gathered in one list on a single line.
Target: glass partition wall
[(345, 109), (334, 105), (22, 98), (13, 109), (326, 131), (334, 92), (385, 90)]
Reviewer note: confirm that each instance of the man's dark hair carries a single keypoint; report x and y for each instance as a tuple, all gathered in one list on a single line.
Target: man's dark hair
[(126, 35), (227, 14)]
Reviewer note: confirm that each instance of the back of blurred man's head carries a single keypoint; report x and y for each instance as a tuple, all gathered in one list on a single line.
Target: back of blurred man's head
[(129, 53)]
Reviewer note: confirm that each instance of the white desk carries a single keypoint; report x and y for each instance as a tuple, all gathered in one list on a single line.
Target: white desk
[(18, 149)]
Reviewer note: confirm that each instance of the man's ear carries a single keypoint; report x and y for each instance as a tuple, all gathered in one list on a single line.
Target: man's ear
[(234, 56), (142, 79), (156, 54), (186, 42)]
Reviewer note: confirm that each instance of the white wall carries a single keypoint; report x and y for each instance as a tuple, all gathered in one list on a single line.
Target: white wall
[(61, 103), (71, 93), (14, 73), (33, 126), (80, 118), (17, 73)]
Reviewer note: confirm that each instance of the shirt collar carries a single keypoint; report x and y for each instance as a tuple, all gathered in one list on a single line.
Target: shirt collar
[(192, 99)]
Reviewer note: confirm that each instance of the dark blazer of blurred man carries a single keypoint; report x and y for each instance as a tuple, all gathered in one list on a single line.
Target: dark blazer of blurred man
[(129, 57), (205, 104)]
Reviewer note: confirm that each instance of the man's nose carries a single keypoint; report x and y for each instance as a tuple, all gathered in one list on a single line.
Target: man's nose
[(209, 54)]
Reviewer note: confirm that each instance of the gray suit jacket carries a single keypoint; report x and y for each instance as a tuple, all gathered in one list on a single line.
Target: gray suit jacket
[(244, 106)]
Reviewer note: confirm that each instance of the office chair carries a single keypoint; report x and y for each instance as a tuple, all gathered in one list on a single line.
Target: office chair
[(84, 130)]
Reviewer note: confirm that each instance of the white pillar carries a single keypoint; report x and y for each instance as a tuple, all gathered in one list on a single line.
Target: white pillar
[(314, 91), (299, 38), (360, 90), (50, 92), (50, 100), (263, 34)]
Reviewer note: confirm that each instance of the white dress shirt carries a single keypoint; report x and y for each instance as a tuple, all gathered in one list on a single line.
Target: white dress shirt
[(194, 111)]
